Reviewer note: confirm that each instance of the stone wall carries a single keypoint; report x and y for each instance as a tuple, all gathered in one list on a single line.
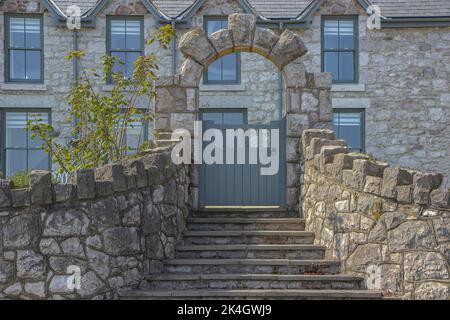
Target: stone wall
[(116, 223), (379, 218)]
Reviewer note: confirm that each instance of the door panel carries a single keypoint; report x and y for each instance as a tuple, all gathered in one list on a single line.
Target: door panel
[(241, 184)]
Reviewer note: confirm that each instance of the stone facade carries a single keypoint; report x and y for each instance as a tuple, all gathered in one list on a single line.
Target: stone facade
[(379, 220), (116, 224), (403, 77)]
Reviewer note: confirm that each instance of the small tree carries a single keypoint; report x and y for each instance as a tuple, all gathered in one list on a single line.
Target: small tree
[(102, 119)]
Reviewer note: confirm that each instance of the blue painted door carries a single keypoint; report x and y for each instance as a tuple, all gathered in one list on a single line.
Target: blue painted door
[(242, 184)]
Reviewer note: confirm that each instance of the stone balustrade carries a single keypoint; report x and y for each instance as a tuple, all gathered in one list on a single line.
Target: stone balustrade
[(115, 223), (389, 224)]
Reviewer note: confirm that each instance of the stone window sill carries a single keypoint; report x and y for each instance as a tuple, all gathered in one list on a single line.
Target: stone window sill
[(351, 103), (23, 87), (348, 88), (221, 87)]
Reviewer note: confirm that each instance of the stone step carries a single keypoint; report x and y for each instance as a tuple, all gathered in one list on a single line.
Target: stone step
[(248, 237), (235, 224), (265, 266), (291, 294), (251, 281), (258, 251), (245, 213)]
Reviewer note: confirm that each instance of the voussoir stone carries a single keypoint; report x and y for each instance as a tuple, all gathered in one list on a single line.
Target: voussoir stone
[(222, 41), (196, 45), (242, 27), (288, 48), (264, 41)]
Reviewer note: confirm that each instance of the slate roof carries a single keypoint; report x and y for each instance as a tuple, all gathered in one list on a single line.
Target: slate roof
[(413, 8), (288, 9)]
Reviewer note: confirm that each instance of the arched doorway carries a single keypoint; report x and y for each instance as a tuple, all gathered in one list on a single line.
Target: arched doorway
[(179, 96)]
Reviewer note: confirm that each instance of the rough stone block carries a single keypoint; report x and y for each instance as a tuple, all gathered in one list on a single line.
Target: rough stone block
[(21, 232), (6, 271), (66, 222), (295, 75), (317, 144), (373, 185), (5, 193), (20, 197), (30, 265), (85, 181), (190, 73), (136, 167), (411, 235), (423, 184), (114, 173), (41, 187), (327, 154), (421, 266), (393, 177), (64, 192), (440, 199), (309, 134), (323, 80), (195, 44), (104, 188), (404, 193), (242, 27), (121, 241)]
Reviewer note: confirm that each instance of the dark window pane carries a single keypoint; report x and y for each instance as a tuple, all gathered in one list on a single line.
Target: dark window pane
[(216, 117), (17, 64), (133, 38), (234, 118), (346, 35), (38, 159), (131, 58), (229, 67), (346, 66), (349, 126), (118, 29), (331, 34), (36, 118), (215, 71), (119, 66), (33, 33), (16, 135), (331, 64), (16, 161), (17, 32), (33, 65)]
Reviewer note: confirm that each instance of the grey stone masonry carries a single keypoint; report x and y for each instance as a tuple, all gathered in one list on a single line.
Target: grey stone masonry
[(116, 224), (386, 223)]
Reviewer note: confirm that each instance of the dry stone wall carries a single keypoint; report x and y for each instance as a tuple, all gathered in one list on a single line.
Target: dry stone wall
[(116, 223), (378, 219)]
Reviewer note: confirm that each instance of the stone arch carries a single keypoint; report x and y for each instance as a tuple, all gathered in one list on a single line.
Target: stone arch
[(307, 99), (242, 35)]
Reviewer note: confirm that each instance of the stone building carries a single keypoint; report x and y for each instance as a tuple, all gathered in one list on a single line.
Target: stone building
[(390, 92), (334, 222)]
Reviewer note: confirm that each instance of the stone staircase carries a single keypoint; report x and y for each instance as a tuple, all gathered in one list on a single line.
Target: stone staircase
[(250, 255)]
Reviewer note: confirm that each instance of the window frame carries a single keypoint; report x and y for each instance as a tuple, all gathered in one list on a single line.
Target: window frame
[(3, 112), (110, 18), (7, 48), (244, 111), (355, 20), (206, 81), (146, 137), (362, 112)]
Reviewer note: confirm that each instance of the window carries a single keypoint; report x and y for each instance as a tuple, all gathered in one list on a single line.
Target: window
[(348, 124), (20, 152), (137, 133), (225, 70), (125, 41), (23, 44), (339, 48), (225, 116)]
